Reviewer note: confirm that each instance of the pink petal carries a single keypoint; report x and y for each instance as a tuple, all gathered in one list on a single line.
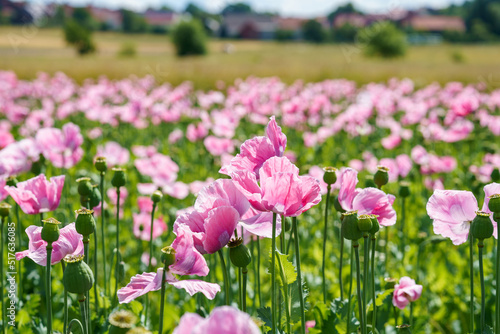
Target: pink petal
[(188, 261), (219, 227), (140, 285), (187, 323), (193, 286), (224, 192), (277, 138), (376, 202), (348, 182)]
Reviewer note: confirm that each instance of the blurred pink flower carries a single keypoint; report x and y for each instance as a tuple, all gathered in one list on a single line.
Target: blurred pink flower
[(143, 151), (175, 136), (18, 157), (3, 192), (145, 204), (142, 226), (115, 154), (145, 259), (405, 292), (196, 132), (37, 195), (310, 324), (61, 146), (69, 243), (112, 195), (218, 146)]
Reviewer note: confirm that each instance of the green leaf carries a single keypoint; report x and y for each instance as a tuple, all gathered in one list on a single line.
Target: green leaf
[(282, 264), (381, 298), (264, 314), (295, 301), (488, 330), (333, 319)]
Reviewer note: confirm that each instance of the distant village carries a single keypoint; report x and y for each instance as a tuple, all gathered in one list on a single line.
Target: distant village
[(244, 25)]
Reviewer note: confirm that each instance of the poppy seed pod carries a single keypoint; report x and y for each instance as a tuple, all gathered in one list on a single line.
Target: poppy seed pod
[(78, 277), (375, 224), (495, 175), (238, 253), (404, 329), (119, 177), (481, 227), (95, 198), (121, 322), (330, 176), (494, 203), (84, 186), (85, 223), (350, 229), (168, 256), (404, 189), (381, 177), (364, 223), (4, 209), (156, 196), (50, 230), (100, 164)]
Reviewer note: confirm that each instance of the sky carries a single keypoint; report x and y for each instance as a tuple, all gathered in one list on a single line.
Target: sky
[(295, 8)]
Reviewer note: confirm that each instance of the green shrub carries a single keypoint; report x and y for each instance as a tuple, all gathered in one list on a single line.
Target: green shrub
[(282, 35), (79, 37), (345, 34), (383, 39), (313, 31), (189, 38), (127, 50)]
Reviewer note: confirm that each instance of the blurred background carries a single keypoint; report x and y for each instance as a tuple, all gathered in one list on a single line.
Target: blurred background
[(215, 42)]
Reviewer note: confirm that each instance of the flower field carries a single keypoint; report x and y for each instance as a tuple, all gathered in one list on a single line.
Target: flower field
[(131, 206)]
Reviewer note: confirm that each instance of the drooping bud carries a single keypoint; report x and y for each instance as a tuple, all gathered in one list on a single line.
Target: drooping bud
[(495, 175), (50, 230), (85, 223), (4, 209), (168, 256), (120, 322), (156, 196), (404, 189), (350, 229), (381, 177), (78, 277), (404, 329), (95, 198), (119, 177), (390, 283), (481, 227), (364, 223), (330, 176), (375, 224), (239, 253), (494, 203), (100, 164), (84, 186)]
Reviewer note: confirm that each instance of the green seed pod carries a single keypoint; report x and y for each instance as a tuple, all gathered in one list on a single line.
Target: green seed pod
[(4, 209), (11, 181), (381, 177), (95, 198), (404, 189), (330, 176), (390, 283), (100, 164), (120, 322), (78, 277), (119, 177), (238, 253), (495, 175), (364, 223), (156, 196), (404, 329), (350, 229), (337, 206), (50, 230), (84, 186), (481, 227), (168, 256), (494, 203), (369, 183), (85, 223), (375, 225)]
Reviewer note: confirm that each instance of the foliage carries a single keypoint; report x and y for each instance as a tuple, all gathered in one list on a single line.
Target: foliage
[(237, 8), (383, 40), (189, 38), (312, 31), (128, 50), (282, 35), (345, 34), (78, 36), (133, 22), (348, 8)]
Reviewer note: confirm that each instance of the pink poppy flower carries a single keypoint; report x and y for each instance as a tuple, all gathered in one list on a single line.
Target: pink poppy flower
[(112, 195), (222, 320), (405, 292), (145, 259), (115, 154), (142, 226), (145, 204), (161, 168), (281, 189), (3, 192), (489, 190), (365, 201), (175, 136), (37, 195), (70, 242), (254, 152), (18, 157), (310, 324), (61, 146)]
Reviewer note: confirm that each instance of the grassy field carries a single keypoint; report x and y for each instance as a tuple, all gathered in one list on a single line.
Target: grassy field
[(28, 51)]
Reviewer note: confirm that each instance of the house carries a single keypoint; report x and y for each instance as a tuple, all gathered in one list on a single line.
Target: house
[(291, 24), (353, 19), (434, 23), (161, 18), (248, 26), (15, 12), (112, 18)]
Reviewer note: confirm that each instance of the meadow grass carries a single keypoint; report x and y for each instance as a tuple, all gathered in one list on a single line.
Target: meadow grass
[(29, 51)]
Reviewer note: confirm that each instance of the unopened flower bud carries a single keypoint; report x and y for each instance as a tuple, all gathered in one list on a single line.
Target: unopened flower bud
[(495, 175), (494, 203), (78, 277), (404, 329), (50, 230), (481, 226), (337, 206), (404, 189), (364, 223), (350, 229), (95, 198), (168, 256), (4, 209), (375, 224), (156, 196), (84, 186), (330, 176), (119, 177), (85, 223), (390, 283), (120, 322), (100, 164), (238, 253), (381, 177)]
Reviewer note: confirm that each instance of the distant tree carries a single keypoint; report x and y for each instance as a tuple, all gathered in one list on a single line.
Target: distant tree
[(189, 38), (345, 34), (485, 11), (237, 8), (79, 36), (132, 22), (195, 11), (312, 31), (383, 40), (348, 8), (83, 17), (282, 35), (59, 17)]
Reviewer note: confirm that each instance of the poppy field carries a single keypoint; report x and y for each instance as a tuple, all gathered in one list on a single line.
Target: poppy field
[(132, 206)]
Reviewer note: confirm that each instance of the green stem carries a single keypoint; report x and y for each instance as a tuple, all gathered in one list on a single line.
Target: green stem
[(245, 272), (273, 276), (372, 259), (254, 299), (366, 260), (103, 240), (150, 268), (299, 275), (48, 294), (83, 313), (258, 272), (411, 314), (349, 301), (41, 217), (340, 268), (96, 300), (395, 316), (19, 263), (86, 258), (115, 298), (224, 274), (497, 307), (403, 215), (471, 268), (325, 238), (240, 287), (480, 246), (162, 302), (355, 245), (386, 247), (1, 275), (65, 311), (285, 294)]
